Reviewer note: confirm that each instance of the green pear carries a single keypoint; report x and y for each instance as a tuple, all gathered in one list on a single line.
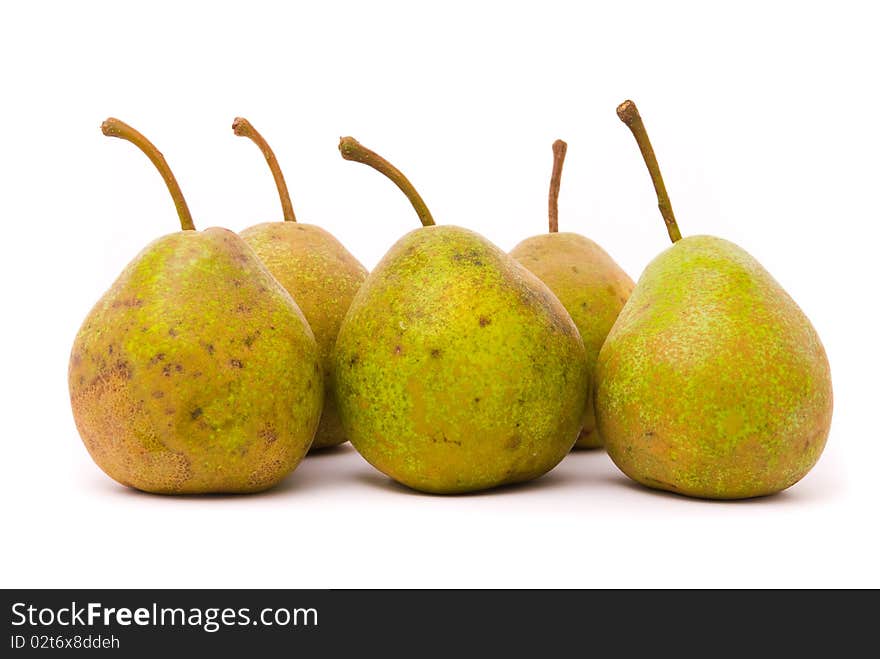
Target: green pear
[(318, 272), (456, 368), (196, 371), (712, 382), (588, 282)]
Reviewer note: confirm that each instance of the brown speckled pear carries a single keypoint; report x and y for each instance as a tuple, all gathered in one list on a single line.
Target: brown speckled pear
[(712, 382), (318, 272), (588, 282), (456, 368), (195, 372)]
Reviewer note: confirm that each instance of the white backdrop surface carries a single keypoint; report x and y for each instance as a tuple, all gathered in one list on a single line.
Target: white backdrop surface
[(763, 119)]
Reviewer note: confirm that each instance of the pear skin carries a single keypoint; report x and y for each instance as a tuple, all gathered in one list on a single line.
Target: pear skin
[(590, 285), (323, 277), (457, 369), (196, 372), (712, 382)]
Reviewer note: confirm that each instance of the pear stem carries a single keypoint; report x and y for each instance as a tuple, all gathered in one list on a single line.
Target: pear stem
[(116, 128), (629, 114), (353, 150), (559, 149), (243, 128)]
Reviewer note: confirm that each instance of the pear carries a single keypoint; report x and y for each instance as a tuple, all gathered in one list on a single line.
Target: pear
[(712, 382), (588, 282), (318, 272), (456, 368), (196, 371)]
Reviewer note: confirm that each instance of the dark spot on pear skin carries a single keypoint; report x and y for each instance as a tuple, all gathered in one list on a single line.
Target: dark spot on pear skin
[(236, 283), (520, 401), (268, 434), (249, 339), (209, 347), (663, 484), (443, 438), (158, 394), (196, 413), (197, 374), (485, 321), (477, 399), (649, 433), (309, 387), (128, 303), (242, 308), (157, 358), (574, 268), (123, 368), (110, 350), (172, 332), (354, 360), (236, 363), (397, 350), (513, 443), (472, 257), (436, 352)]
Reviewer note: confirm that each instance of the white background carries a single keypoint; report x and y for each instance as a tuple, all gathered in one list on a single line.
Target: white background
[(764, 118)]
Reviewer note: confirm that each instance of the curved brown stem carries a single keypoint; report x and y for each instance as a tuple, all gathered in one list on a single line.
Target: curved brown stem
[(116, 128), (559, 149), (353, 150), (243, 128), (629, 114)]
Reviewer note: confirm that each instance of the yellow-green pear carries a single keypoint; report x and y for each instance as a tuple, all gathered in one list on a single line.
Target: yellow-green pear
[(318, 272), (712, 382), (195, 372), (456, 368), (590, 284)]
